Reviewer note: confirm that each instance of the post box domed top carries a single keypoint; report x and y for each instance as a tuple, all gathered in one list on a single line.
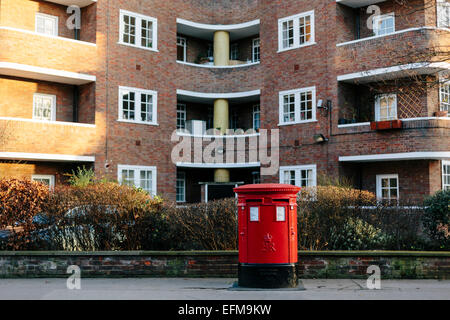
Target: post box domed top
[(267, 188)]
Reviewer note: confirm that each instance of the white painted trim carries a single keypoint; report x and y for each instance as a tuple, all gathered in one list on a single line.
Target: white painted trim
[(218, 27), (138, 30), (218, 165), (53, 110), (206, 136), (80, 3), (297, 170), (295, 18), (432, 155), (378, 106), (62, 123), (45, 176), (137, 105), (217, 67), (349, 125), (380, 71), (425, 118), (45, 157), (386, 35), (48, 16), (360, 124), (444, 163), (379, 18), (153, 169), (64, 76), (48, 36), (379, 177), (232, 95), (297, 93)]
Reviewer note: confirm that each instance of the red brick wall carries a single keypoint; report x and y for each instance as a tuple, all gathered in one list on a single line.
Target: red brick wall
[(116, 65)]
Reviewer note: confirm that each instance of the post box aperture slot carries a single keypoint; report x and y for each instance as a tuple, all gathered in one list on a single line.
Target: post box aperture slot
[(281, 214), (254, 214)]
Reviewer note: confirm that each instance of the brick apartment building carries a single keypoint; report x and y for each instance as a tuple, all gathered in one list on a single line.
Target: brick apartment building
[(111, 94)]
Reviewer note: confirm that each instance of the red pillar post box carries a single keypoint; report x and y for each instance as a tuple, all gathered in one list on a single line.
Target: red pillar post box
[(268, 254)]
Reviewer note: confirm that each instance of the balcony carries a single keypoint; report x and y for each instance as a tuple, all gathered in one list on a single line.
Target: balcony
[(80, 3), (24, 139), (45, 58), (358, 3), (195, 44), (195, 113), (390, 104)]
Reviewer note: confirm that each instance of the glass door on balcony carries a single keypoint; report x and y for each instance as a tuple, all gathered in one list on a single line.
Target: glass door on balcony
[(386, 107)]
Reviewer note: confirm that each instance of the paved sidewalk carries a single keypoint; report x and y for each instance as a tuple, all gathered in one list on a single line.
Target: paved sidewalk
[(216, 289)]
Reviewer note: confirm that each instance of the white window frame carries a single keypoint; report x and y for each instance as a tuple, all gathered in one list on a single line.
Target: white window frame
[(297, 93), (54, 19), (442, 14), (138, 35), (137, 103), (298, 170), (53, 110), (183, 114), (377, 19), (378, 107), (379, 178), (256, 45), (183, 180), (137, 174), (51, 178), (445, 186), (444, 91), (182, 42), (256, 111), (296, 26)]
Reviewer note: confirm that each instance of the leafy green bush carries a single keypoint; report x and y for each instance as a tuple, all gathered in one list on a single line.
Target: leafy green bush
[(357, 234), (82, 177), (325, 209), (436, 219)]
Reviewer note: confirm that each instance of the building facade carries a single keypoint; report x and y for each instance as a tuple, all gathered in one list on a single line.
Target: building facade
[(350, 91)]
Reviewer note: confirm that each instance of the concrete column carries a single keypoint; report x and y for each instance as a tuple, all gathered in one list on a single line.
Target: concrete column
[(221, 108), (221, 115), (221, 48), (222, 175)]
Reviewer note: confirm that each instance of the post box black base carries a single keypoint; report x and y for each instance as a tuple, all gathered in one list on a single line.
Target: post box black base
[(267, 276)]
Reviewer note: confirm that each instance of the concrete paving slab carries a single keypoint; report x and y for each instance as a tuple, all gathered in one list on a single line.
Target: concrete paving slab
[(217, 289)]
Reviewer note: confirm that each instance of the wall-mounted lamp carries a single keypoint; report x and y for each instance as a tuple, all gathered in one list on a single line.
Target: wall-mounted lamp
[(326, 106), (320, 138), (320, 104)]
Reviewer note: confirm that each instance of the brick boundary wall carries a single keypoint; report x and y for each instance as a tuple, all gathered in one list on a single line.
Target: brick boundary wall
[(313, 264)]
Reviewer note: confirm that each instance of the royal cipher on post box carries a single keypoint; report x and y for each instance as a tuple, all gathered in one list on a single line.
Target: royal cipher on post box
[(267, 233)]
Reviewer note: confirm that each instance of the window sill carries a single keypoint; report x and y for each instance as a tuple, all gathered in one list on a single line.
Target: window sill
[(298, 47), (137, 47), (294, 123), (139, 122)]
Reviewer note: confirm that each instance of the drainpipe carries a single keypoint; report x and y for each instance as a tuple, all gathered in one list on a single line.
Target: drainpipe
[(76, 34), (76, 103)]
